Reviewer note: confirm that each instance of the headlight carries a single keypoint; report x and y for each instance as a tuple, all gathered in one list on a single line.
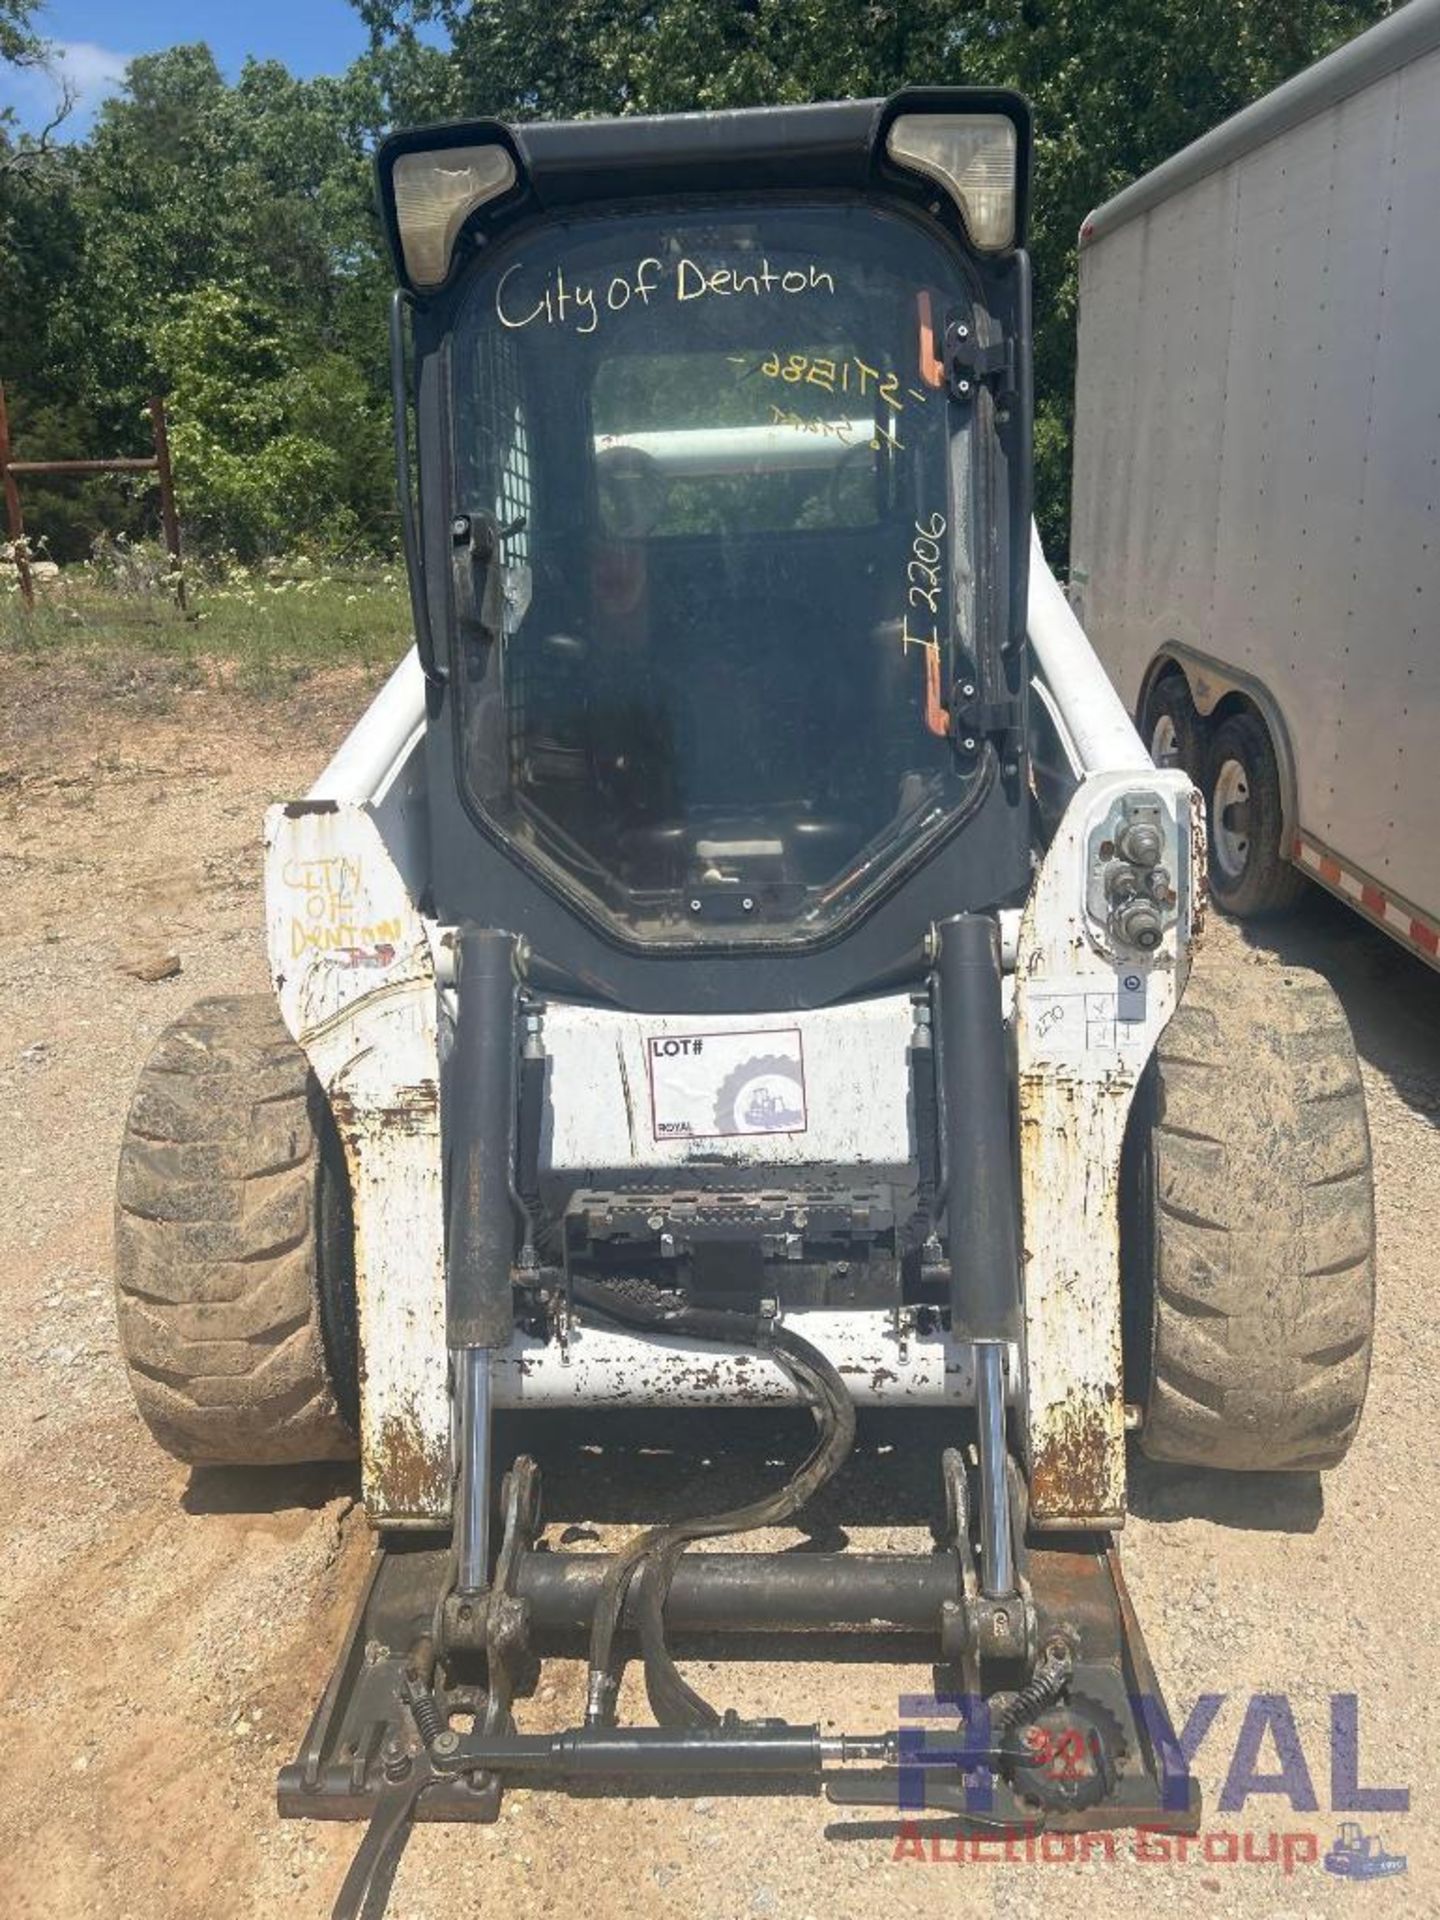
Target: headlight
[(434, 195), (974, 157)]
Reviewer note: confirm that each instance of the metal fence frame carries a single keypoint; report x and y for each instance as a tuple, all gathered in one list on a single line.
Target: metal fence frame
[(157, 463)]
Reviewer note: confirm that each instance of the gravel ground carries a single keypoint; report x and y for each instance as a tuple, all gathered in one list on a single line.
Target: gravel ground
[(164, 1634)]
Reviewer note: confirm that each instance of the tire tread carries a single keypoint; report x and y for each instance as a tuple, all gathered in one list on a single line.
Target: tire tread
[(216, 1257), (1260, 1240)]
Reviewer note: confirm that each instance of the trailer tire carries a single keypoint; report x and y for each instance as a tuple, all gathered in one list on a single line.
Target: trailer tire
[(1248, 1227), (1171, 725), (234, 1246), (1249, 874)]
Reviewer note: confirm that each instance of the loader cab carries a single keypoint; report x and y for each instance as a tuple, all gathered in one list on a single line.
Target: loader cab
[(722, 428)]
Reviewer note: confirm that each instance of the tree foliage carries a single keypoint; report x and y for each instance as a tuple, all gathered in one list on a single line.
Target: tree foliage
[(275, 441), (218, 243), (20, 44), (219, 240)]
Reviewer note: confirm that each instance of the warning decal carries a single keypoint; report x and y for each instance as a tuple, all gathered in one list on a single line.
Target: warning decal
[(703, 1085)]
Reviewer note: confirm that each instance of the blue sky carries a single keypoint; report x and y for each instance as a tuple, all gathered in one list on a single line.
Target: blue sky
[(95, 38)]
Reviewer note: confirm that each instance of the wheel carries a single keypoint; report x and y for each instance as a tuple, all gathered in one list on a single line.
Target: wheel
[(234, 1252), (1248, 1227), (1249, 874), (1173, 731)]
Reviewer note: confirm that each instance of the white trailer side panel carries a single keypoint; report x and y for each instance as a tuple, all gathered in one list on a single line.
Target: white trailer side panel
[(1257, 464)]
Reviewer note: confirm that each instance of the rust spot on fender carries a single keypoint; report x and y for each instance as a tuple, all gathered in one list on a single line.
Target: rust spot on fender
[(1069, 1478), (1199, 866), (413, 1110), (405, 1479), (1073, 1088)]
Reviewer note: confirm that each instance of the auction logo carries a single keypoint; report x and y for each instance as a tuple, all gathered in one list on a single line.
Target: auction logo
[(1268, 1761), (1357, 1855)]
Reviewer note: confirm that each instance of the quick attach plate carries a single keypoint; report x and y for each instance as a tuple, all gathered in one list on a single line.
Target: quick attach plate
[(363, 1738), (830, 1246)]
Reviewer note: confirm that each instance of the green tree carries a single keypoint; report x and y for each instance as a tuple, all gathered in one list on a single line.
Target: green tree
[(187, 182), (271, 447), (38, 249), (206, 232), (205, 222), (20, 44)]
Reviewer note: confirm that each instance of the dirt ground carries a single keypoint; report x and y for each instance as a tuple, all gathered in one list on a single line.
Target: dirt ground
[(164, 1634)]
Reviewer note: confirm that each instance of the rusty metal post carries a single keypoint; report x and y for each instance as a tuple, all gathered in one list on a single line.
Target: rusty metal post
[(15, 519), (169, 518)]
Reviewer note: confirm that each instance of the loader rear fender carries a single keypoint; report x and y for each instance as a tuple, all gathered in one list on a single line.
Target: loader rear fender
[(353, 969), (1089, 1008)]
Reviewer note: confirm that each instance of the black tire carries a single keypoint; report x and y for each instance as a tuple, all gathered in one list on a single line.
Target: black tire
[(1249, 1227), (234, 1250), (1249, 874), (1171, 726)]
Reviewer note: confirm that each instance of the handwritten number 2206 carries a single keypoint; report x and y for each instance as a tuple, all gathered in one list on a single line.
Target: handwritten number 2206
[(923, 570)]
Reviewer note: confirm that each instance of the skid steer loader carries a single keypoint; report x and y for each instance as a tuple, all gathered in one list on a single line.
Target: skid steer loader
[(742, 957)]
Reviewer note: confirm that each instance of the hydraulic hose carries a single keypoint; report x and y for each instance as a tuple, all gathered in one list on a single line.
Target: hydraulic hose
[(658, 1549), (672, 1700)]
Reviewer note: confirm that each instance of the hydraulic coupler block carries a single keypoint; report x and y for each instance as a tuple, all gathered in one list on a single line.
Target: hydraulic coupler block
[(1134, 856)]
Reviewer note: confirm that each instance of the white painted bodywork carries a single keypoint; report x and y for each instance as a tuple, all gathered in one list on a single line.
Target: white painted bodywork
[(371, 760), (603, 1112), (1078, 1064), (352, 964), (882, 1364), (361, 981), (1098, 730)]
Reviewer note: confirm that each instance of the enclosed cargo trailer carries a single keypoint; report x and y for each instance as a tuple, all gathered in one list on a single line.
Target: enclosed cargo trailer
[(1255, 532)]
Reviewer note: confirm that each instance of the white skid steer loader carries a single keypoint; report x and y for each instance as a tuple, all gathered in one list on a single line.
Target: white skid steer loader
[(743, 956)]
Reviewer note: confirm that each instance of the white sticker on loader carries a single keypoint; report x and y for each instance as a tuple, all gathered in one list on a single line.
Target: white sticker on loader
[(707, 1085), (1070, 1019)]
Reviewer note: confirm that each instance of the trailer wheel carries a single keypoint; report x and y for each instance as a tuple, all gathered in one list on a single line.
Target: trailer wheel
[(234, 1254), (1248, 1227), (1249, 874), (1173, 730)]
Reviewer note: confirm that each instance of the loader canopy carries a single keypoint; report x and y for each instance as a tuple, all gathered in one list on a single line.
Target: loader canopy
[(734, 514)]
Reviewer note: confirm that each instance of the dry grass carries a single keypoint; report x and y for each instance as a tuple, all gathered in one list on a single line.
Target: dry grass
[(254, 628)]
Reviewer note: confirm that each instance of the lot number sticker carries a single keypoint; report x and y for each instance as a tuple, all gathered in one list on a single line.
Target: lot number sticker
[(708, 1085)]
